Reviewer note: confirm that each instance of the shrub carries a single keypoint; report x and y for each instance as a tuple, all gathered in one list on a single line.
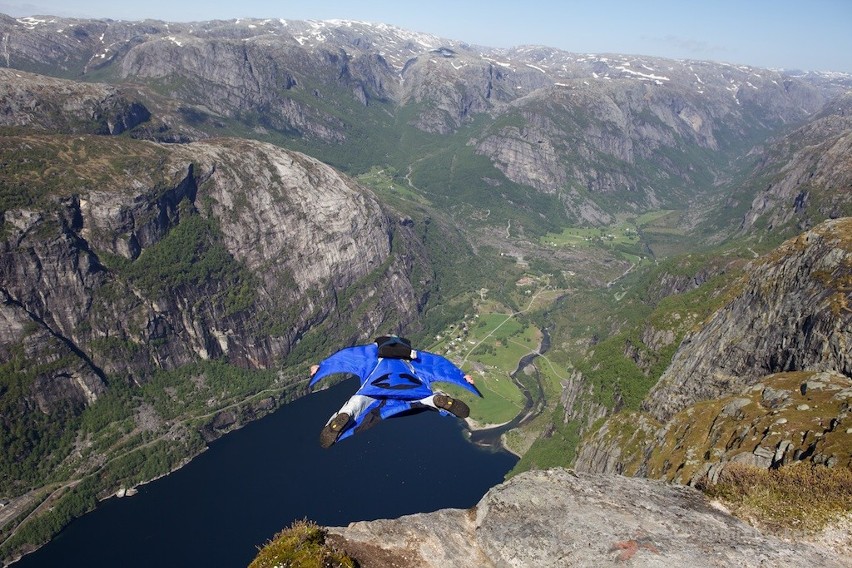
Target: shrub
[(301, 545)]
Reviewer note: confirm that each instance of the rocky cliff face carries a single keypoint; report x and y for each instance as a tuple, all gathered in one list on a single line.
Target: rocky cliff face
[(559, 518), (54, 105), (146, 257), (283, 216), (570, 130), (789, 314), (764, 381)]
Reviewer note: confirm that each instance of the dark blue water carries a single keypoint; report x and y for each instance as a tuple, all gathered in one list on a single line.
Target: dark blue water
[(255, 481)]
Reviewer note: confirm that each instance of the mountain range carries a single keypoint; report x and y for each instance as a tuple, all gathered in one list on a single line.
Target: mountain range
[(193, 211)]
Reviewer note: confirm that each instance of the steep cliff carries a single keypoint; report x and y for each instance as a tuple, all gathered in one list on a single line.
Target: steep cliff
[(54, 105), (788, 314), (559, 518), (142, 258), (763, 381), (283, 217)]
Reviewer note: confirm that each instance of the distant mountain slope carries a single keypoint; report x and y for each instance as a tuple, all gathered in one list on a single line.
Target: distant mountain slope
[(54, 105), (595, 135), (809, 173)]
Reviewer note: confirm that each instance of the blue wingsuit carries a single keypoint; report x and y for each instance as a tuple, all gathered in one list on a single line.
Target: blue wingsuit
[(395, 385)]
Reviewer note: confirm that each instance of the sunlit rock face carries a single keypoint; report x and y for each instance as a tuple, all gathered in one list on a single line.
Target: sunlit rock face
[(270, 239), (559, 518)]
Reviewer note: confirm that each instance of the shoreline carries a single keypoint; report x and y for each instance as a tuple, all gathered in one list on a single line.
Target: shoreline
[(473, 426)]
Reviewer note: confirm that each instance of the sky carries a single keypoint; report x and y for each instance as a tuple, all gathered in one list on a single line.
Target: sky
[(813, 35)]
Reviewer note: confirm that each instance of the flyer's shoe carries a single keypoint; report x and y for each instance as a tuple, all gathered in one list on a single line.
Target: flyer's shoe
[(332, 430), (452, 405)]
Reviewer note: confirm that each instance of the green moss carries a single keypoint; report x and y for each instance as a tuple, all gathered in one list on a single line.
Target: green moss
[(302, 545)]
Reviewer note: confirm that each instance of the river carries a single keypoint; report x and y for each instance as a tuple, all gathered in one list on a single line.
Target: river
[(248, 485), (533, 405)]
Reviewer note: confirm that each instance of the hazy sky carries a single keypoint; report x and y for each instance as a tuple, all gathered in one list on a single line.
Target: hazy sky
[(791, 34)]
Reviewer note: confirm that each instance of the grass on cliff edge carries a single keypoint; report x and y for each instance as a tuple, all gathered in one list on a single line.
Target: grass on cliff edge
[(301, 545), (801, 497)]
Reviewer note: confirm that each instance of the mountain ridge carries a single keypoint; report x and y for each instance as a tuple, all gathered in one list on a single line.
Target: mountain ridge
[(303, 81)]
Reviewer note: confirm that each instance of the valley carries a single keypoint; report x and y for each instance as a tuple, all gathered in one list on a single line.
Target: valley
[(192, 214)]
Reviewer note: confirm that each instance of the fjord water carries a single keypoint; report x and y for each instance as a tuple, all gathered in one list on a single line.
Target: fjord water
[(253, 482)]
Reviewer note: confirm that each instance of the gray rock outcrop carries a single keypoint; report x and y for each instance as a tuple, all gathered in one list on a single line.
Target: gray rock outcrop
[(783, 419), (557, 518)]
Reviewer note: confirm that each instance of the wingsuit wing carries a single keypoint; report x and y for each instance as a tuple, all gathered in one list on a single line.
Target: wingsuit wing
[(358, 360), (433, 368)]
